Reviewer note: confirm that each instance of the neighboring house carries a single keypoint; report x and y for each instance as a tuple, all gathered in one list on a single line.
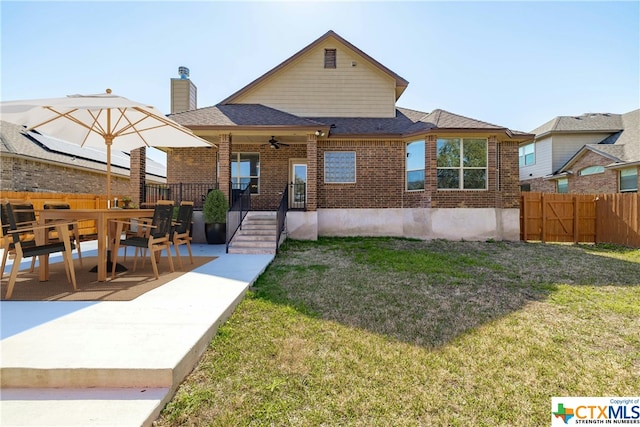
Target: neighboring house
[(325, 123), (34, 162), (591, 153)]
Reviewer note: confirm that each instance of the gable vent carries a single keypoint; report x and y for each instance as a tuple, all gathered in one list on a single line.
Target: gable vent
[(329, 58)]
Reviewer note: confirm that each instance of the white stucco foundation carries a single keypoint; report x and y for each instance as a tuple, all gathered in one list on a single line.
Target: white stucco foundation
[(421, 223), (302, 225)]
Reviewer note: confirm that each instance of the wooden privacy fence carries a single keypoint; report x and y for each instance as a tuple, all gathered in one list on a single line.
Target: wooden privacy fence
[(75, 201), (581, 218)]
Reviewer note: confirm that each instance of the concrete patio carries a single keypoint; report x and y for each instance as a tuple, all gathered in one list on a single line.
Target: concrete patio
[(115, 363)]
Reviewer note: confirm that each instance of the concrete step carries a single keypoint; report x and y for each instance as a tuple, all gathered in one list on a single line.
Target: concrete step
[(253, 244), (271, 231), (257, 236), (248, 251)]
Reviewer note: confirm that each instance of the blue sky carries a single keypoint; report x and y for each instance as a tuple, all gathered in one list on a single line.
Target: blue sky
[(516, 64)]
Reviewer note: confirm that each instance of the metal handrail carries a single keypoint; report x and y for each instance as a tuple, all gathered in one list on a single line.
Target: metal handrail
[(282, 215), (236, 214)]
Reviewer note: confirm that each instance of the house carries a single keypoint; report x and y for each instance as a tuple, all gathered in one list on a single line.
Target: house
[(324, 125), (591, 153), (34, 162)]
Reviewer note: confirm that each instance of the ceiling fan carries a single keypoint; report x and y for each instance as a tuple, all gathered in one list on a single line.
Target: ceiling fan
[(273, 143)]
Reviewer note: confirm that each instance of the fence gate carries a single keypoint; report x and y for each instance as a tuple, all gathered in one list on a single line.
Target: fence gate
[(551, 217)]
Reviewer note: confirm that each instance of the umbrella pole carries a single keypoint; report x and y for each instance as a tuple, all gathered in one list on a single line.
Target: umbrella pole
[(108, 143), (108, 139)]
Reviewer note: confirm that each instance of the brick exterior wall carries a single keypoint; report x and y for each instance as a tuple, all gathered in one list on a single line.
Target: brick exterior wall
[(138, 162), (380, 174), (509, 173), (26, 175), (606, 182), (192, 165), (540, 185)]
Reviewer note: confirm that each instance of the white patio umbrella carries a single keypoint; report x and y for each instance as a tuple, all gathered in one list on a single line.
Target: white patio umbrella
[(99, 120)]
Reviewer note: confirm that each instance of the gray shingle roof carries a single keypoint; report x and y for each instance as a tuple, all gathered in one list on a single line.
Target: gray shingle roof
[(588, 122), (226, 115), (622, 146), (37, 147), (625, 144), (406, 121)]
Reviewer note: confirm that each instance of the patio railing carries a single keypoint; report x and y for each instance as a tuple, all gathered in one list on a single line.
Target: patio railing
[(188, 192), (282, 215), (238, 210)]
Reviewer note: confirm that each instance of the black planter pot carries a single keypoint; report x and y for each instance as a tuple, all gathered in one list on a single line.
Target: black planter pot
[(216, 233)]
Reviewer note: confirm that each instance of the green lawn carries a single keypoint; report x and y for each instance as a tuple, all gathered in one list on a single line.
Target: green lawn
[(396, 332)]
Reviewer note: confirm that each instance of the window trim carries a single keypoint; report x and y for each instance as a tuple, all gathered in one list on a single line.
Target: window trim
[(407, 170), (591, 170), (235, 161), (524, 155), (630, 190), (461, 168), (355, 163), (565, 181)]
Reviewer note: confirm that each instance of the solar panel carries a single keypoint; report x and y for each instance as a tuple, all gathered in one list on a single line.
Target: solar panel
[(118, 158)]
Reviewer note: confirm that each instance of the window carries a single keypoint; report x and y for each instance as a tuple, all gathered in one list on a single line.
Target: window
[(628, 180), (527, 154), (329, 58), (245, 170), (415, 165), (462, 163), (340, 167), (591, 170), (562, 185)]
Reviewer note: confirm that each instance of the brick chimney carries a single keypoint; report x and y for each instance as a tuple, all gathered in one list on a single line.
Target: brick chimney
[(184, 94)]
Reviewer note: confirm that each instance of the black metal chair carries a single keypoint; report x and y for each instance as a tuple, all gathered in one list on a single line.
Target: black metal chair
[(155, 238), (38, 246), (181, 230), (74, 231)]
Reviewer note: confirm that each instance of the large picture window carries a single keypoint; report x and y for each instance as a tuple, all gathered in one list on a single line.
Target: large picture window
[(245, 170), (462, 163), (628, 180), (340, 167), (415, 165), (527, 154)]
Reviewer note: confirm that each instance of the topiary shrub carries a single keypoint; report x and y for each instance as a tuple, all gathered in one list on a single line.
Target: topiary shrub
[(214, 210)]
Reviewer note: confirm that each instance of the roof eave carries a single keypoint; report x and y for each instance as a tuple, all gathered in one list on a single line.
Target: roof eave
[(621, 165), (553, 132)]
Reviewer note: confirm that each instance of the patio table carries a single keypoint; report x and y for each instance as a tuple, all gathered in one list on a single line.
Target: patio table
[(101, 217)]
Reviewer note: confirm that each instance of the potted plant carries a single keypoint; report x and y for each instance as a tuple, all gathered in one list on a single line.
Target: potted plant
[(214, 214), (126, 202)]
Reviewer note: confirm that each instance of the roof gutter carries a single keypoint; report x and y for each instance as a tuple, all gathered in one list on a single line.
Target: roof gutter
[(621, 165)]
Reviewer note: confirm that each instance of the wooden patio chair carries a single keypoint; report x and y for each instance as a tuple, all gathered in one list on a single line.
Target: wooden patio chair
[(181, 230), (36, 247), (74, 229), (155, 238), (25, 216), (139, 227)]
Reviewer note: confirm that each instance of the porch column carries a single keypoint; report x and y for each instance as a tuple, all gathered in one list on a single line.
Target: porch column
[(224, 151), (137, 174), (312, 172)]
